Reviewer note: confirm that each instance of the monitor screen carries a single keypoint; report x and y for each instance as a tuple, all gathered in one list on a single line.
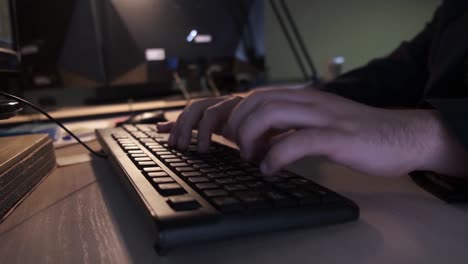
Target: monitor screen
[(8, 55), (95, 52), (6, 38)]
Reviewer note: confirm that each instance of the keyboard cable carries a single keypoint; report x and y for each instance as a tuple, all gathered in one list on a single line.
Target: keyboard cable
[(99, 154)]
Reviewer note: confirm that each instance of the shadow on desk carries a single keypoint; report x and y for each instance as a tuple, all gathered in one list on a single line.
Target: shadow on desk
[(297, 246), (126, 216), (417, 228)]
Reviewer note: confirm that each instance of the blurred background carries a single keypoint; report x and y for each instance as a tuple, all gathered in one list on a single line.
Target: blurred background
[(90, 52)]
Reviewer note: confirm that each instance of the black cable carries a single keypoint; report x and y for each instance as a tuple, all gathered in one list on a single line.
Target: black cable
[(289, 38), (300, 40), (98, 154)]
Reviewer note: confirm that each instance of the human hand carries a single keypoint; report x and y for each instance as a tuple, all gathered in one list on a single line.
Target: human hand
[(371, 140), (208, 116), (313, 123)]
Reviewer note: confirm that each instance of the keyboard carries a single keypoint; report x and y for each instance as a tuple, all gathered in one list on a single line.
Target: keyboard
[(190, 197)]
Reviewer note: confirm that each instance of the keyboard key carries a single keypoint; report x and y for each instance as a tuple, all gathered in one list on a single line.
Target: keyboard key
[(273, 179), (119, 136), (279, 200), (256, 184), (142, 159), (188, 157), (151, 169), (235, 187), (252, 169), (216, 175), (167, 189), (146, 163), (253, 200), (285, 186), (159, 180), (168, 156), (140, 135), (223, 181), (245, 178), (227, 204), (235, 173), (191, 174), (158, 149), (201, 166), (149, 140), (194, 161), (144, 128), (131, 148), (226, 168), (135, 151), (163, 153), (184, 169), (140, 155), (299, 181), (207, 186), (157, 174), (183, 203), (215, 193), (130, 128), (178, 164), (198, 179), (208, 170), (173, 160)]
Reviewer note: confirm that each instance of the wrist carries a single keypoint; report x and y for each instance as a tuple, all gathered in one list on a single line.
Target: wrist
[(443, 153)]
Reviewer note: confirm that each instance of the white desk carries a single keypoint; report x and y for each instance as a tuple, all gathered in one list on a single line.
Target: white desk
[(81, 214)]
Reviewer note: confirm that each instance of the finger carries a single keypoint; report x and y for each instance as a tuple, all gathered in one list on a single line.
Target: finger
[(299, 144), (277, 115), (164, 127), (247, 106), (213, 119), (263, 143), (182, 130)]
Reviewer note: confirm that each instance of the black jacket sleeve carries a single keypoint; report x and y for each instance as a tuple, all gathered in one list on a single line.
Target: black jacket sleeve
[(399, 79), (396, 80), (454, 113)]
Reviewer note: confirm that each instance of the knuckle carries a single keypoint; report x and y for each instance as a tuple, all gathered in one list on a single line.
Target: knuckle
[(211, 112), (269, 106), (256, 94)]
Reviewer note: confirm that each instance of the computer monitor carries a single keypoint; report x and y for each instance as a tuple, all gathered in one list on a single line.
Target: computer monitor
[(113, 50), (9, 59), (147, 39)]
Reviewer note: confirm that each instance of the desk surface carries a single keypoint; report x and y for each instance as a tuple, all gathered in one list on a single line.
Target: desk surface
[(99, 110), (81, 214)]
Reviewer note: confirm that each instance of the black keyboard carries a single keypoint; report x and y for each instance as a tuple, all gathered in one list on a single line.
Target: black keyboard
[(192, 197)]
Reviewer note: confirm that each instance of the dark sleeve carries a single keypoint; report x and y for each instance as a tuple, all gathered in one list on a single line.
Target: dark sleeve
[(396, 80), (454, 113)]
